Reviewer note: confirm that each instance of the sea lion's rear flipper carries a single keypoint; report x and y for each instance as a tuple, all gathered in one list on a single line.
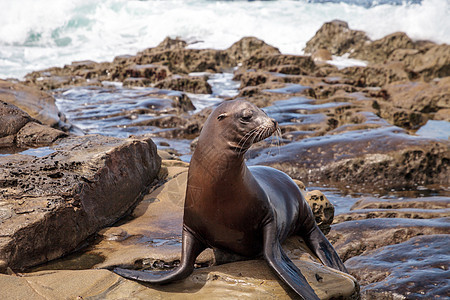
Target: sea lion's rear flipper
[(283, 266), (191, 248), (323, 249)]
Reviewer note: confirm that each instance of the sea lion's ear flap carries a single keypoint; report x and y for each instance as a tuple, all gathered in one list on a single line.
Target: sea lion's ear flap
[(222, 116)]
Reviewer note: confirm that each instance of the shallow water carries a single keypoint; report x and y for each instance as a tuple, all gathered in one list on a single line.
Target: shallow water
[(109, 111), (435, 129), (38, 152), (117, 111)]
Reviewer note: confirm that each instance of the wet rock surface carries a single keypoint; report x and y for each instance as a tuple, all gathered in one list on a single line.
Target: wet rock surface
[(53, 200), (39, 105), (395, 267), (377, 131), (19, 131), (152, 240)]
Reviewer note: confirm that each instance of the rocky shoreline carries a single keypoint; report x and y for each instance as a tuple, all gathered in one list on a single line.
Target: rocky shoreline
[(351, 128)]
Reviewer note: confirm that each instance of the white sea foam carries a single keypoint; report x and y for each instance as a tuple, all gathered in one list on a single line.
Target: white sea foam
[(40, 34)]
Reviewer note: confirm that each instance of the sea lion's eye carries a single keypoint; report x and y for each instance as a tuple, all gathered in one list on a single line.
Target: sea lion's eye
[(247, 116)]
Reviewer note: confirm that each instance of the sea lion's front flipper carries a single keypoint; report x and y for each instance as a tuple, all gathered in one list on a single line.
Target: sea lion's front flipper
[(319, 244), (283, 266), (191, 248)]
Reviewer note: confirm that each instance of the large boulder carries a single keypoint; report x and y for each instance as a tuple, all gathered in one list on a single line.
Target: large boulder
[(378, 51), (249, 47), (435, 62), (422, 59), (12, 119), (19, 130), (421, 96), (38, 104), (381, 158), (52, 199), (336, 37)]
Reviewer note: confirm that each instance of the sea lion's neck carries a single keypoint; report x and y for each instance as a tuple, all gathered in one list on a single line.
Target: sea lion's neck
[(218, 160)]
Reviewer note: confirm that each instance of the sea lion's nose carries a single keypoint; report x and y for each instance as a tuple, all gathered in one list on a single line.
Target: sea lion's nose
[(275, 123)]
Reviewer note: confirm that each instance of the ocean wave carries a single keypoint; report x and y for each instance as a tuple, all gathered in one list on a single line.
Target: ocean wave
[(39, 34)]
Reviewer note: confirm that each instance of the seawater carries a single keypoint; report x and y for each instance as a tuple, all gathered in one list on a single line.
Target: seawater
[(39, 34)]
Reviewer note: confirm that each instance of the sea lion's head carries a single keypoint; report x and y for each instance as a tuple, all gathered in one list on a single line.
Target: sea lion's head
[(239, 124)]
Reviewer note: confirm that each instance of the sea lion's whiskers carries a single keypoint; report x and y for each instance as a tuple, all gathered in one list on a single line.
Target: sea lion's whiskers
[(270, 146), (279, 137), (272, 141), (248, 135)]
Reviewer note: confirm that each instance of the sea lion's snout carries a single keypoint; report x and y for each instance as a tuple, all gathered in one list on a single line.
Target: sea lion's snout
[(275, 123)]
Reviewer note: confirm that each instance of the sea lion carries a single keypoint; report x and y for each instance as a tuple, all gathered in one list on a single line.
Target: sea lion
[(248, 211)]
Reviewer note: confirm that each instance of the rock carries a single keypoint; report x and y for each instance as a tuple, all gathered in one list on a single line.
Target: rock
[(37, 135), (420, 59), (39, 105), (322, 209), (248, 47), (185, 61), (416, 203), (189, 84), (136, 82), (392, 213), (12, 119), (281, 63), (321, 55), (19, 130), (402, 117), (415, 269), (411, 104), (443, 115), (181, 100), (152, 240), (378, 51), (355, 238), (434, 63), (184, 126), (413, 208), (55, 200), (420, 96), (336, 37), (376, 75), (171, 44), (249, 278), (151, 72), (399, 161)]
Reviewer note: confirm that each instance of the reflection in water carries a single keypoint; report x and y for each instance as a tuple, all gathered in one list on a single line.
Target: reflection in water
[(435, 129), (38, 152)]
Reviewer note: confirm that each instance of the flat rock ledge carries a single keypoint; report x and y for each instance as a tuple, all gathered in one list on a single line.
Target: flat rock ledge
[(55, 197), (151, 240), (245, 279)]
